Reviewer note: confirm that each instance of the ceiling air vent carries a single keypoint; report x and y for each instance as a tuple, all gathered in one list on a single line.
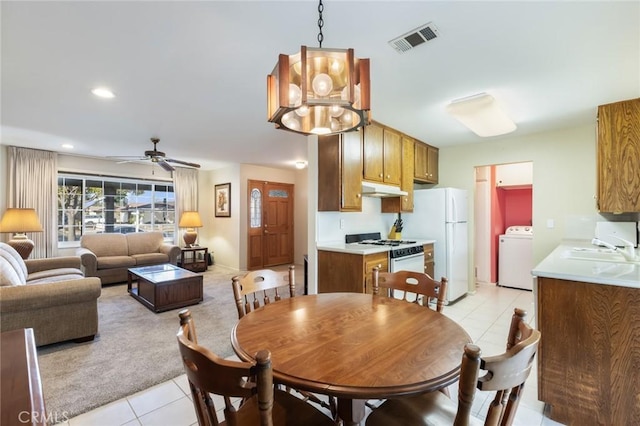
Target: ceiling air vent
[(415, 37)]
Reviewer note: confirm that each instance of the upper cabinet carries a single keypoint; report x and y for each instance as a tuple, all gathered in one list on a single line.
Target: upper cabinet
[(340, 172), (514, 175), (426, 163), (619, 157), (382, 154), (405, 202)]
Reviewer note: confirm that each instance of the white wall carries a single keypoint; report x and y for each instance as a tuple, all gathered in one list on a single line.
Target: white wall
[(564, 181)]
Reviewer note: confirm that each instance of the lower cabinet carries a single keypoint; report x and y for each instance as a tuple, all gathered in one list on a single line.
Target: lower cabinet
[(429, 264), (346, 272), (589, 354)]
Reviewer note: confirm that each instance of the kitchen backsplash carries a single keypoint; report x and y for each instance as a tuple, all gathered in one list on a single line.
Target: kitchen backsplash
[(333, 226)]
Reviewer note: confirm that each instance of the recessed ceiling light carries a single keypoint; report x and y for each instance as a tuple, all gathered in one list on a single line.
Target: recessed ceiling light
[(103, 92), (67, 146)]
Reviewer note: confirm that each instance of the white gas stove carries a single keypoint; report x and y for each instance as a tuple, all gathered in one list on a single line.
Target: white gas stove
[(407, 255)]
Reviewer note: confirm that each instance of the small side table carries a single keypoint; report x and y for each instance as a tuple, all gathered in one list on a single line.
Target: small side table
[(194, 258)]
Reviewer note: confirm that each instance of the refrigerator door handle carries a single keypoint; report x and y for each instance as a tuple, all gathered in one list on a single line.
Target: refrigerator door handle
[(454, 210)]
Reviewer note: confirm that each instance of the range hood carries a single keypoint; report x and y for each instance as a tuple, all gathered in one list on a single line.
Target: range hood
[(372, 189)]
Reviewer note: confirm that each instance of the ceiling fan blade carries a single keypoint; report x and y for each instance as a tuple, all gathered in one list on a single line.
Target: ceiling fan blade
[(127, 157), (165, 165), (170, 160)]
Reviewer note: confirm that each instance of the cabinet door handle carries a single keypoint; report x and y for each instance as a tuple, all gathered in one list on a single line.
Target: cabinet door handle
[(380, 175)]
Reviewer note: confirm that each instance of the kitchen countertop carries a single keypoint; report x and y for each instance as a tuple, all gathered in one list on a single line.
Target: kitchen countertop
[(363, 249), (559, 264)]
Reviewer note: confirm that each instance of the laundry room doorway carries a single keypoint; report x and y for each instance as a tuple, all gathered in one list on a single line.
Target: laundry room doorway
[(503, 198)]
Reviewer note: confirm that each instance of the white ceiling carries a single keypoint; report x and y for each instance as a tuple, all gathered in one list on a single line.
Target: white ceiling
[(194, 73)]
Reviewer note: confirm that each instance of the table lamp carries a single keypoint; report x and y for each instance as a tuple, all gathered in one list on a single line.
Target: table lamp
[(190, 220), (20, 221)]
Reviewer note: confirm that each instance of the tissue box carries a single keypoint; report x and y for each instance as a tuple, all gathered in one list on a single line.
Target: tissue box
[(624, 230)]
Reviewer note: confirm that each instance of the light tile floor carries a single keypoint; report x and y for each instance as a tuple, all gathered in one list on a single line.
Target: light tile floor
[(485, 315)]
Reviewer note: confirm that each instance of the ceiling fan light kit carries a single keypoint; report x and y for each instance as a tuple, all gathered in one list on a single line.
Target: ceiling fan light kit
[(482, 115), (319, 91)]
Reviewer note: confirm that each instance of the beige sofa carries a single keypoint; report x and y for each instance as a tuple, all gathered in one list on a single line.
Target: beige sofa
[(109, 256), (52, 296)]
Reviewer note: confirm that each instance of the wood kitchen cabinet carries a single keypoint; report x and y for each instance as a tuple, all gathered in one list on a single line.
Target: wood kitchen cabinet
[(589, 354), (426, 163), (619, 157), (404, 203), (347, 272), (382, 154), (340, 172), (429, 262)]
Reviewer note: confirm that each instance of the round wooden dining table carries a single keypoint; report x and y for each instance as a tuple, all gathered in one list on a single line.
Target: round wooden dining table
[(354, 347)]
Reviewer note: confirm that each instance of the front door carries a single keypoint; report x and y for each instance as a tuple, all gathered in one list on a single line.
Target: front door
[(270, 236)]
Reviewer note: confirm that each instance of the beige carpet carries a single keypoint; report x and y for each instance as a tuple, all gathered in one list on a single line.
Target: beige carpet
[(135, 348)]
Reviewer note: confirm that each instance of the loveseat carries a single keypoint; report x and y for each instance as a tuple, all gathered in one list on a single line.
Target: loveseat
[(52, 296), (109, 256)]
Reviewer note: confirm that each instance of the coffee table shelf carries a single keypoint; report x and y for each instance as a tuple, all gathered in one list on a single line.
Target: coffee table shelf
[(164, 287)]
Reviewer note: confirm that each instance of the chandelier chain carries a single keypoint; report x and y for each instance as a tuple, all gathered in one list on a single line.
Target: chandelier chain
[(320, 23)]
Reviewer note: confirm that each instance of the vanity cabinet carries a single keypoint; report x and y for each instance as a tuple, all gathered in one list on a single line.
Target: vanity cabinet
[(429, 263), (340, 172), (426, 163), (382, 154), (347, 272), (589, 353), (619, 157), (404, 203)]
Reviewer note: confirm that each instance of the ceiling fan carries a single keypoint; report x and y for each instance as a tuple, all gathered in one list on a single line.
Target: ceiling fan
[(159, 158)]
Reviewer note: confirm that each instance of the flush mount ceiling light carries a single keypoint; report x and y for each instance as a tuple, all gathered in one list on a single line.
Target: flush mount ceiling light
[(301, 164), (103, 92), (482, 115), (319, 91)]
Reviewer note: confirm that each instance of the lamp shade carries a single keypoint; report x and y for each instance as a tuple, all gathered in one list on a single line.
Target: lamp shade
[(482, 115), (20, 221), (190, 220)]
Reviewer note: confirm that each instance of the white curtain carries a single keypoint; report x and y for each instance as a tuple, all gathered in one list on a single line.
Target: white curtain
[(33, 183), (185, 185)]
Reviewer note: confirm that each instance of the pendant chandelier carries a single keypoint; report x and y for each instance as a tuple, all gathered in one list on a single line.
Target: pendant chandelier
[(319, 91)]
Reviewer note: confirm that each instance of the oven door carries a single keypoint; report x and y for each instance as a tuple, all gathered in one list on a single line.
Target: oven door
[(413, 262)]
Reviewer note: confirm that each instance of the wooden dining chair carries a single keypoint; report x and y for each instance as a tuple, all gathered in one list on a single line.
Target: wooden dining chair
[(258, 288), (415, 287), (504, 374), (250, 384)]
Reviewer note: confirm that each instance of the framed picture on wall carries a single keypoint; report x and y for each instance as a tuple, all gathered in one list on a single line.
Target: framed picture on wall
[(223, 200)]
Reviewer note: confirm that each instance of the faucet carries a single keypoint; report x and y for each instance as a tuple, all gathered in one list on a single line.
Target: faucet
[(629, 251)]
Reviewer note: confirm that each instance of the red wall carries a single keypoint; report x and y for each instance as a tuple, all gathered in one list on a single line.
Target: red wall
[(518, 206)]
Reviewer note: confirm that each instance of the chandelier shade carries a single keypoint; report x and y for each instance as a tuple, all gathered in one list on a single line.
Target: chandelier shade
[(319, 91)]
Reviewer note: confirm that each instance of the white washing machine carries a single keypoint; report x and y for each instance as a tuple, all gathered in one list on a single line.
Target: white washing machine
[(516, 258)]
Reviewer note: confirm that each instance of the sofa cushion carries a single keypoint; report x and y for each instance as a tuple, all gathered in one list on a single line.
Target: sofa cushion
[(56, 278), (8, 274), (144, 242), (103, 245), (150, 259), (50, 273), (15, 260), (110, 262)]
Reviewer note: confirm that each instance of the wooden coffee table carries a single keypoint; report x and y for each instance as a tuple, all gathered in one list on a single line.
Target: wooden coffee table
[(164, 287)]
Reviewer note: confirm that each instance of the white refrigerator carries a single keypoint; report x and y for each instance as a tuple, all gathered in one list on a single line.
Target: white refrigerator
[(440, 214)]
